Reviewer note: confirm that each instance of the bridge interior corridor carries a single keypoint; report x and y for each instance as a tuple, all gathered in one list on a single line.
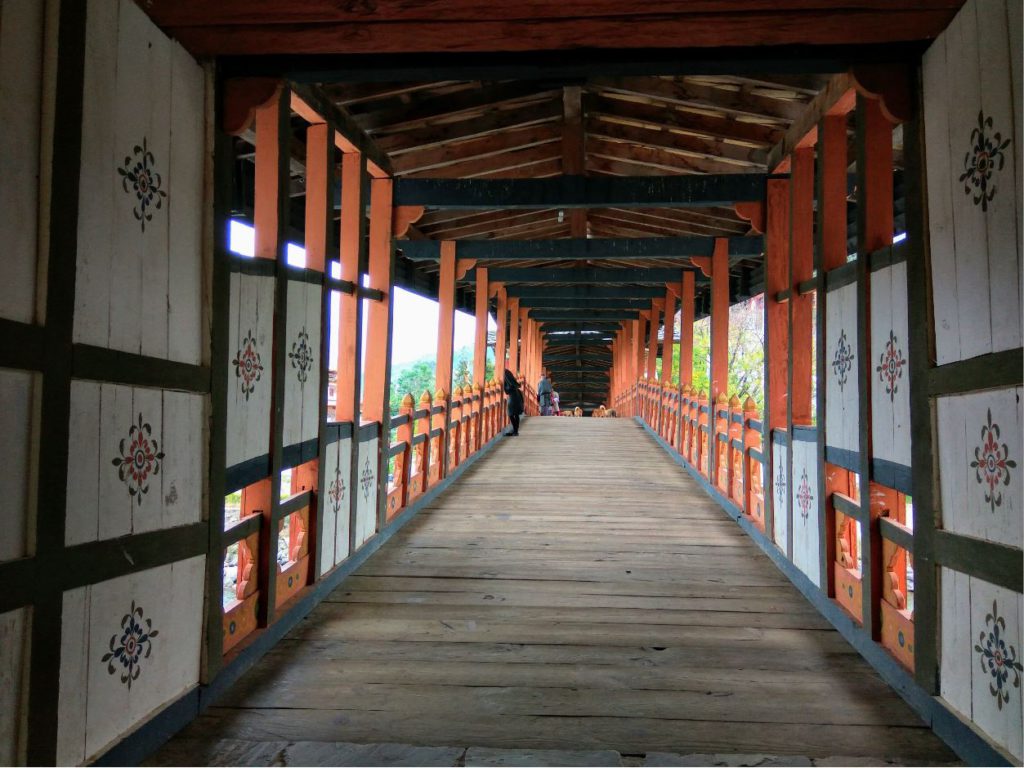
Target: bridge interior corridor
[(574, 589)]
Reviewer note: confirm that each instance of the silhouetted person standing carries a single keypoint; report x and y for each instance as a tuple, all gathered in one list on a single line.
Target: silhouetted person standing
[(544, 391), (515, 402)]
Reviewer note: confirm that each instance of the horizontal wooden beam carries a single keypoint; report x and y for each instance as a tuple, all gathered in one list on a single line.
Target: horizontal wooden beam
[(564, 303), (657, 275), (583, 191), (582, 248), (590, 315), (585, 291), (562, 341)]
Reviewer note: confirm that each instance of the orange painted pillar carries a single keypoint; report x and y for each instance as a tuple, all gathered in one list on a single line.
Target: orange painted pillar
[(378, 332), (801, 268), (513, 335), (833, 164), (499, 342), (720, 319), (445, 317), (668, 339), (347, 324), (687, 313), (776, 279), (268, 204), (878, 197), (319, 151), (652, 354), (480, 340)]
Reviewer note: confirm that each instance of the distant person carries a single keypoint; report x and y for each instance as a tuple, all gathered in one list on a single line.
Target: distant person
[(515, 402), (544, 391), (554, 404)]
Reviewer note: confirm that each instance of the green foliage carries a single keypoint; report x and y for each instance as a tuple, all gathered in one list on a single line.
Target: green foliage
[(413, 378)]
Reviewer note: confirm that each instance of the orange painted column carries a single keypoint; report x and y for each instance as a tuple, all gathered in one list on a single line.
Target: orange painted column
[(480, 340), (687, 312), (378, 333), (513, 335), (652, 353), (268, 204), (878, 197), (801, 268), (499, 342), (833, 164), (776, 279), (347, 324), (720, 319), (668, 338), (445, 318), (318, 162)]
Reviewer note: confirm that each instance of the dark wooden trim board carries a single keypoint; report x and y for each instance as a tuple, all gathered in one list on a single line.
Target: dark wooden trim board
[(111, 365), (995, 563)]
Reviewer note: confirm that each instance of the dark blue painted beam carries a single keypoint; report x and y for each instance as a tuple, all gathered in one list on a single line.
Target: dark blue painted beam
[(582, 248)]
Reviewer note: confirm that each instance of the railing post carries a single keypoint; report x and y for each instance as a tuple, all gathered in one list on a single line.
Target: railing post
[(423, 450), (403, 463), (439, 447)]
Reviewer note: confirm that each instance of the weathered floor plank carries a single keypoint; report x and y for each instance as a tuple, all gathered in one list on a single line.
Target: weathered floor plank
[(574, 591)]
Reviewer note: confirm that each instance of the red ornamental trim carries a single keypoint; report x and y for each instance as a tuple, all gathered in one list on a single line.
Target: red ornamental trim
[(804, 497), (140, 457), (992, 463), (248, 365), (890, 366)]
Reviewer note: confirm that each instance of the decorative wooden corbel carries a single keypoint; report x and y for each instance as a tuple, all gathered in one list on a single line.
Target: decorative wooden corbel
[(891, 84), (462, 267), (752, 212), (703, 263), (242, 97), (403, 217), (492, 289)]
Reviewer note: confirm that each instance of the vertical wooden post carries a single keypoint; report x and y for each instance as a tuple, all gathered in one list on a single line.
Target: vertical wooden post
[(652, 344), (801, 268), (686, 320), (513, 335), (347, 331), (445, 340), (499, 341), (719, 319), (874, 231), (377, 373), (318, 147), (668, 339), (480, 340), (266, 200), (776, 359)]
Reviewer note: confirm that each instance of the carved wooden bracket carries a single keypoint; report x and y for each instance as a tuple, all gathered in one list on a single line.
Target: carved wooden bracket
[(752, 212), (462, 267), (242, 97), (703, 263), (403, 217), (891, 84)]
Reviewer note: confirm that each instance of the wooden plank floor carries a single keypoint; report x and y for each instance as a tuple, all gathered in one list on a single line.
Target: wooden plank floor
[(575, 590)]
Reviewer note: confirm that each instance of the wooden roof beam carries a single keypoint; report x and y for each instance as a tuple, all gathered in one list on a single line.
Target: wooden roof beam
[(583, 248), (574, 149), (451, 153), (838, 97), (664, 159), (690, 146)]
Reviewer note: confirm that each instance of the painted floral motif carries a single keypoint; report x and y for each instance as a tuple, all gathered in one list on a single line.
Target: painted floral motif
[(366, 479), (997, 657), (986, 155), (302, 356), (804, 497), (842, 362), (140, 457), (248, 365), (139, 177), (780, 483), (129, 646), (992, 463), (336, 491), (890, 366)]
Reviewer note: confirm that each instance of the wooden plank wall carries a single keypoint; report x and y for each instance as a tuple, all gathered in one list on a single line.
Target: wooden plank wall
[(972, 131)]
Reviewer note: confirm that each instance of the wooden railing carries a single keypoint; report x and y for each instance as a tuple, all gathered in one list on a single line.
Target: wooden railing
[(722, 441), (434, 437)]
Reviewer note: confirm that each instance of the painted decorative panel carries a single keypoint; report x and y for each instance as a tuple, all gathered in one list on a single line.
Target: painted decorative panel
[(806, 536), (16, 456), (337, 502), (982, 654), (981, 467), (250, 381), (15, 631), (140, 255), (136, 460), (780, 498), (129, 646), (890, 368), (366, 493), (972, 91), (842, 389), (302, 363), (22, 24)]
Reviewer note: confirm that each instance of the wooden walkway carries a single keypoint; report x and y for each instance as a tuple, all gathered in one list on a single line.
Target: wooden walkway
[(576, 590)]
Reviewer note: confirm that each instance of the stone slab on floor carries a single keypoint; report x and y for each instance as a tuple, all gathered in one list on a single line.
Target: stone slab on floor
[(528, 758)]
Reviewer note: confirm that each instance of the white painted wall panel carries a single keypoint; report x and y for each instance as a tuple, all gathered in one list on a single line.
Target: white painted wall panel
[(842, 419), (15, 630), (366, 493), (250, 379), (107, 688), (981, 476), (337, 504), (21, 85), (16, 392), (136, 461), (311, 388), (780, 498), (806, 527), (890, 366), (302, 363)]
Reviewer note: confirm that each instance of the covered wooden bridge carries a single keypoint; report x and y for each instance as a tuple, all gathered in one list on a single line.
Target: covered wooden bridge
[(228, 540)]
